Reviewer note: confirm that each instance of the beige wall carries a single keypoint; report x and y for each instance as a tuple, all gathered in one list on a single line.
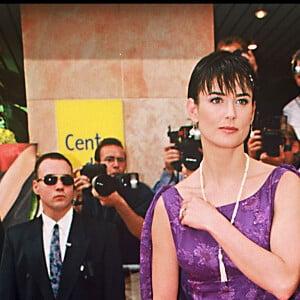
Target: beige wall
[(140, 53)]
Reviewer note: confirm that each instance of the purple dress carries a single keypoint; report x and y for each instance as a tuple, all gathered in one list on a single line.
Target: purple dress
[(197, 251)]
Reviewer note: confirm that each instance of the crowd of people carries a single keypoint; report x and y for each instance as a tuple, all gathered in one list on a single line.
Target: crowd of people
[(225, 227)]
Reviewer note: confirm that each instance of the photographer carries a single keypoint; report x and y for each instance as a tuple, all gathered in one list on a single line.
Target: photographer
[(169, 174), (127, 211), (237, 45), (181, 156), (288, 151)]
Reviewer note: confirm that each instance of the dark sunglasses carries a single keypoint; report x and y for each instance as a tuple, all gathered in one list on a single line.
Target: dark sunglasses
[(52, 179)]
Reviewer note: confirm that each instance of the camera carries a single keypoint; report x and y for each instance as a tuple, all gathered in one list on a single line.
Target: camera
[(92, 170), (239, 52), (105, 184), (271, 128), (187, 141)]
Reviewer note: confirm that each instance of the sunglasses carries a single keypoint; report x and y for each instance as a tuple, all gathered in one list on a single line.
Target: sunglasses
[(52, 179)]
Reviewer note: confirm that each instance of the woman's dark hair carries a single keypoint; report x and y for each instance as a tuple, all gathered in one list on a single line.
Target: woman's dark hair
[(227, 69), (50, 155), (106, 142)]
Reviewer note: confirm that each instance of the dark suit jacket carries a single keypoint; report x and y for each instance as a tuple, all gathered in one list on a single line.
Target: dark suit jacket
[(139, 200), (1, 237), (91, 269)]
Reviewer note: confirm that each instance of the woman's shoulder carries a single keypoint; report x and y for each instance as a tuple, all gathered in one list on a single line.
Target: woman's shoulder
[(262, 172), (262, 167), (266, 169)]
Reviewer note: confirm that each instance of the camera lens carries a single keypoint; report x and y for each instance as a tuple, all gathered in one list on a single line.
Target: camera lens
[(104, 184)]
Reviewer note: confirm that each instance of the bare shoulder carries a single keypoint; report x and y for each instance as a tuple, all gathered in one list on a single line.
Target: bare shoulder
[(259, 171), (257, 175), (287, 195), (290, 182), (260, 168), (160, 203)]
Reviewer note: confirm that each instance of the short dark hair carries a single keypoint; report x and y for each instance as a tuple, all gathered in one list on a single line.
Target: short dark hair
[(106, 142), (50, 155), (230, 40), (224, 67)]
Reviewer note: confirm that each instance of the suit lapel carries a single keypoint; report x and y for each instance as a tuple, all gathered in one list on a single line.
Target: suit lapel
[(78, 243), (35, 252)]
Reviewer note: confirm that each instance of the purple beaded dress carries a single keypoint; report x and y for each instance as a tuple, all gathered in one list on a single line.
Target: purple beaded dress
[(197, 251)]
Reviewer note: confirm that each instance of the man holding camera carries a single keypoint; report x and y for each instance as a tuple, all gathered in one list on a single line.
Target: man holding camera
[(169, 174), (125, 207), (237, 45), (289, 149), (182, 156), (274, 146)]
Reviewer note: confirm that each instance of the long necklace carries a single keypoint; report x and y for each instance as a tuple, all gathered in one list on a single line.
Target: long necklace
[(234, 213)]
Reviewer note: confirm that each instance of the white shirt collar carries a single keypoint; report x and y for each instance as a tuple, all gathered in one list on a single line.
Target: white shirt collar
[(64, 228), (64, 223)]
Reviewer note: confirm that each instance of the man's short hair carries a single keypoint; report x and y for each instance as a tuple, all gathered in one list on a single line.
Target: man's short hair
[(50, 155), (106, 142), (230, 40)]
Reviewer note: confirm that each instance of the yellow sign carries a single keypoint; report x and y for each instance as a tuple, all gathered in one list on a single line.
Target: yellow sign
[(82, 124)]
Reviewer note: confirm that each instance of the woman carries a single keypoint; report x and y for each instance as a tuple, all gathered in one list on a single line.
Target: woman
[(230, 230)]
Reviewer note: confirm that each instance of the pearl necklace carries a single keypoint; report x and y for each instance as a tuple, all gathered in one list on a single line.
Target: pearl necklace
[(234, 213)]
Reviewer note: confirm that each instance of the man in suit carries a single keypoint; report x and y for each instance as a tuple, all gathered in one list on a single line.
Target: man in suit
[(90, 265)]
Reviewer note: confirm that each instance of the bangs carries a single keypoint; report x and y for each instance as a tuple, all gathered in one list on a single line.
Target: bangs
[(224, 69), (226, 84)]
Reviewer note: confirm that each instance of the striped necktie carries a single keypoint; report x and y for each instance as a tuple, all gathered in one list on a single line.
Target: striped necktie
[(55, 260)]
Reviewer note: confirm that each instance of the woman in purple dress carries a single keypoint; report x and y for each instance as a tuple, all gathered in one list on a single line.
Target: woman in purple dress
[(231, 230)]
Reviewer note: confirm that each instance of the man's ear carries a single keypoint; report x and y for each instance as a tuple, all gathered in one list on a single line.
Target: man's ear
[(192, 109), (35, 186)]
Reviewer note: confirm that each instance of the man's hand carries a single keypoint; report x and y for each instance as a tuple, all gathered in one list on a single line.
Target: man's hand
[(112, 200), (276, 161), (254, 143), (170, 155), (80, 182)]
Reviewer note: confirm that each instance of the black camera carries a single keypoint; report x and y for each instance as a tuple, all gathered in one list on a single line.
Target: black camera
[(92, 170), (239, 52), (187, 141), (105, 184), (271, 128)]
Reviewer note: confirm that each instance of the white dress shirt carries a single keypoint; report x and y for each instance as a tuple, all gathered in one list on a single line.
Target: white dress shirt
[(292, 111), (64, 227)]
